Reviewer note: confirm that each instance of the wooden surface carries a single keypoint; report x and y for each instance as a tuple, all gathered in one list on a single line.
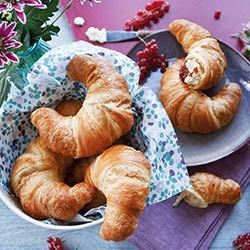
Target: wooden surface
[(18, 234)]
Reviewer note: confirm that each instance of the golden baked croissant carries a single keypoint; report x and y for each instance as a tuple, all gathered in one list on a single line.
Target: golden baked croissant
[(208, 189), (104, 117), (37, 178), (77, 174), (205, 62), (191, 110), (122, 174)]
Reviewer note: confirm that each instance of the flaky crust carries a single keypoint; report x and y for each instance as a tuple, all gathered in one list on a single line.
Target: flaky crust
[(191, 110), (122, 174), (78, 174), (37, 179), (104, 117), (214, 189), (208, 189), (205, 62)]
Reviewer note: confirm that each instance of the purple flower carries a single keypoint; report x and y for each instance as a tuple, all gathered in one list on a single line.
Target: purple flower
[(18, 7), (7, 42)]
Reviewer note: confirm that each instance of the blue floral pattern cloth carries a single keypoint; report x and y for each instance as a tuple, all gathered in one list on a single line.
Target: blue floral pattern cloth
[(152, 132)]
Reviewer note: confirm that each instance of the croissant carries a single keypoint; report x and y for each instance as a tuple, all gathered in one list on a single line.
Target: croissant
[(191, 110), (104, 117), (37, 178), (205, 62), (122, 174), (77, 174), (208, 189)]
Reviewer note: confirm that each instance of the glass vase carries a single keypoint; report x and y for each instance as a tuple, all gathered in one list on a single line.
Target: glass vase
[(17, 74)]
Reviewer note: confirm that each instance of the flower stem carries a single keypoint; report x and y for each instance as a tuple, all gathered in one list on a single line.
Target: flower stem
[(48, 26), (142, 40)]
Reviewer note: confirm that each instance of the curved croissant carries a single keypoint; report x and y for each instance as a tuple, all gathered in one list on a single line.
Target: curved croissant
[(122, 174), (104, 117), (191, 110), (205, 62), (208, 189), (78, 174), (37, 178)]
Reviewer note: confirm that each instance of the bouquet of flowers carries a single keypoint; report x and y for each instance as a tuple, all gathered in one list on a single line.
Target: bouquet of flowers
[(22, 24)]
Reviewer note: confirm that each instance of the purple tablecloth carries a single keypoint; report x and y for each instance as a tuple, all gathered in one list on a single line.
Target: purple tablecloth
[(112, 14), (165, 227)]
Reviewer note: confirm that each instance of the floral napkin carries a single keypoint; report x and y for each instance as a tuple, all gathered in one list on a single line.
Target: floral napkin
[(152, 132)]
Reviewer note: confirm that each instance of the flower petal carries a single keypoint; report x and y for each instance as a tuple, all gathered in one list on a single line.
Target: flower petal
[(21, 17), (12, 57), (3, 57), (10, 28), (3, 60), (1, 64), (3, 7), (2, 28), (35, 3), (12, 44), (41, 7), (19, 7), (17, 44)]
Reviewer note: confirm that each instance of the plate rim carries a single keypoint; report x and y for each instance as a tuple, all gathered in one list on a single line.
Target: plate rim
[(242, 57)]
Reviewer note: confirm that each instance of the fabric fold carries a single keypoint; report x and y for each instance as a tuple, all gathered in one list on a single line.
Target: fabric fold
[(162, 226)]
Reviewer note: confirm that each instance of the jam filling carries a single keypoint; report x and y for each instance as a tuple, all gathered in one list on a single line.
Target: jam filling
[(183, 73)]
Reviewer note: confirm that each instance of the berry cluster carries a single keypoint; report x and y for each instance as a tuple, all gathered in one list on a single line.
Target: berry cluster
[(242, 242), (153, 12), (55, 243), (150, 59)]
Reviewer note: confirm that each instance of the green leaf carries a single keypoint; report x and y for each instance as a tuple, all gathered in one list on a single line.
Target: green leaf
[(49, 32), (37, 21), (5, 82)]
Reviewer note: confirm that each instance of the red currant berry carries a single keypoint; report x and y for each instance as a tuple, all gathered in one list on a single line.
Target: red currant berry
[(152, 42), (128, 22), (143, 70), (217, 14), (154, 49), (128, 28), (150, 16), (239, 241), (154, 62), (143, 62), (161, 13), (136, 23), (140, 12), (149, 7), (148, 44), (55, 243), (157, 3), (50, 240), (156, 14), (140, 55), (166, 62), (166, 7), (142, 79), (162, 57), (247, 236), (163, 67), (147, 52)]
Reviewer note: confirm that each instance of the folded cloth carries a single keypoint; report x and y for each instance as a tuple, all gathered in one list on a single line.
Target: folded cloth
[(184, 227)]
